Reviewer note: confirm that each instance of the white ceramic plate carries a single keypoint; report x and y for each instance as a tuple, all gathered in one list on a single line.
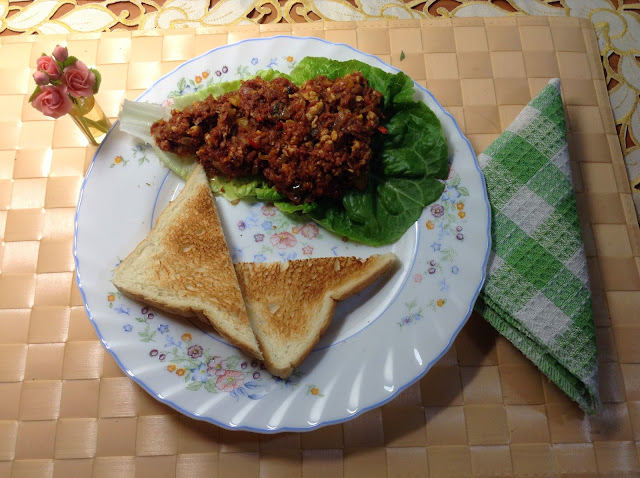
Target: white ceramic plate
[(380, 342)]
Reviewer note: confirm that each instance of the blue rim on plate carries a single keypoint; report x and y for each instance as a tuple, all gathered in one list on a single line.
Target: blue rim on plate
[(483, 237)]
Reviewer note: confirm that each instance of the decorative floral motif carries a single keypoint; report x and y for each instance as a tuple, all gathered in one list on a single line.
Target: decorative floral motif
[(314, 391), (140, 153), (268, 210), (414, 314), (242, 72), (447, 219), (309, 231), (283, 240), (202, 80), (217, 366), (119, 161), (290, 62), (236, 375), (276, 235), (231, 380), (187, 85), (201, 370), (195, 351), (437, 210), (112, 296)]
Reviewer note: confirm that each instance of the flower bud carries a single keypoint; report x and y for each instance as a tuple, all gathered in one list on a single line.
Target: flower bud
[(41, 78), (60, 53)]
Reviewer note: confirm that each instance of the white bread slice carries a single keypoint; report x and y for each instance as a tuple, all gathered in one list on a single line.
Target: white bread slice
[(291, 304), (183, 266)]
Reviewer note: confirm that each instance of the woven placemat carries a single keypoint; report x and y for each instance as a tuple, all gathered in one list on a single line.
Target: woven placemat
[(483, 410)]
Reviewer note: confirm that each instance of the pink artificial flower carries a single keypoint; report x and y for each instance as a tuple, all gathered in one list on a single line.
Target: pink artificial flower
[(282, 240), (309, 231), (79, 79), (53, 101), (230, 380), (41, 78), (49, 66), (60, 53)]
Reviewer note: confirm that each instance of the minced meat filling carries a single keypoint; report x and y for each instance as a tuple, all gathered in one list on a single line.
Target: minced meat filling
[(309, 142)]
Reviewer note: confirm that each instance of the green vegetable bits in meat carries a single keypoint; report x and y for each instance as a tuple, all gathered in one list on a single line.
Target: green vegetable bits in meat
[(404, 172)]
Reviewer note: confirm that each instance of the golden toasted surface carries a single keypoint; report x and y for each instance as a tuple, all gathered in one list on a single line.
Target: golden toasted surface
[(183, 265), (189, 260), (288, 293)]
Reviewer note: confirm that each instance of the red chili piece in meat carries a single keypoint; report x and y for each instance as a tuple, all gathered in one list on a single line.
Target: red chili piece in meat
[(309, 143)]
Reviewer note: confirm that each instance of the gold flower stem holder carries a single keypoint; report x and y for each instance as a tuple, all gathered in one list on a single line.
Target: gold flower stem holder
[(89, 117)]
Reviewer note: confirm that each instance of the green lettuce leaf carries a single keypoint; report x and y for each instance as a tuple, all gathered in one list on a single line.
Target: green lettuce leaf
[(179, 165), (290, 208), (396, 88), (252, 188), (409, 160), (235, 189), (215, 89), (269, 75)]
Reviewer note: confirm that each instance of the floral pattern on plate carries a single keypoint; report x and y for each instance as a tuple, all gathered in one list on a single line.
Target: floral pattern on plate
[(445, 232), (196, 365), (279, 237)]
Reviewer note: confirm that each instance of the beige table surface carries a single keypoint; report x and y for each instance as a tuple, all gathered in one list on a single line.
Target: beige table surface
[(67, 410)]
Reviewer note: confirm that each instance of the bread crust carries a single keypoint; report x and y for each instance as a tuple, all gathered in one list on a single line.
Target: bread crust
[(291, 304), (183, 266)]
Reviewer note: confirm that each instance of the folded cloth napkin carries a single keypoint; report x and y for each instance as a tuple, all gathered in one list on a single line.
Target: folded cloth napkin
[(537, 291)]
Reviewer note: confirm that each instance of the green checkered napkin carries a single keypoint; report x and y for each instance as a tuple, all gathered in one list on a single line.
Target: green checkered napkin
[(537, 288)]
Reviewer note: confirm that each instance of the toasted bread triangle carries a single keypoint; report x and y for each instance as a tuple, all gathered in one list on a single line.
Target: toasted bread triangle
[(291, 304), (183, 266)]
